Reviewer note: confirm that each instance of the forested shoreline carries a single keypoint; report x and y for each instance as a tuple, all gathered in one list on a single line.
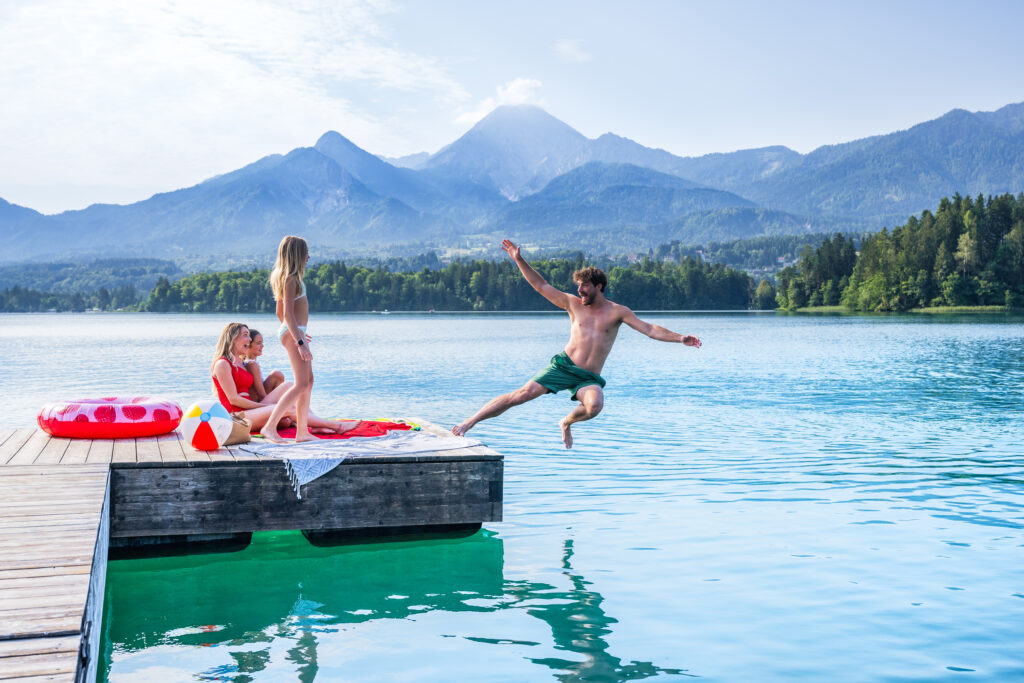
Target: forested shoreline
[(968, 253), (473, 286)]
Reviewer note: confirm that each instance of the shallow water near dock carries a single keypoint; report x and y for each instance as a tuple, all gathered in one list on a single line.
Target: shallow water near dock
[(805, 498)]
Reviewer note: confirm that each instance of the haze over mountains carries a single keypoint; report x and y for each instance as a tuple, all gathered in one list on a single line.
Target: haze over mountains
[(522, 173)]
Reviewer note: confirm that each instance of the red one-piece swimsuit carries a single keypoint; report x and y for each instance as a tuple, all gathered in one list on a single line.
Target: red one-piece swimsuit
[(243, 380)]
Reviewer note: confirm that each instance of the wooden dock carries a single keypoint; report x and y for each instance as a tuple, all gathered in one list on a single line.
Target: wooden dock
[(64, 501), (53, 544)]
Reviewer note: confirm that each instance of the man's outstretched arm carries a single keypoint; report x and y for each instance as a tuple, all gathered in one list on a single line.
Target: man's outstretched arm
[(657, 331), (552, 294)]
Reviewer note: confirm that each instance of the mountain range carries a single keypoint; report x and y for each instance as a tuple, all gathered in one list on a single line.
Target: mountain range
[(522, 173)]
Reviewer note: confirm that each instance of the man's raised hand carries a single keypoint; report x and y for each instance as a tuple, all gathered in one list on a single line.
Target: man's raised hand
[(690, 340), (511, 249)]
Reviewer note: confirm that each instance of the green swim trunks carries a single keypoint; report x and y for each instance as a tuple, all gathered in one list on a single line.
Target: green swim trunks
[(562, 373)]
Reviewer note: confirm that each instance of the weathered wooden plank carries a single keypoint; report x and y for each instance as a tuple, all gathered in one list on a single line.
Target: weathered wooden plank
[(82, 568), (240, 455), (53, 559), (12, 470), (63, 663), (221, 455), (191, 454), (170, 448), (53, 451), (43, 539), (14, 443), (23, 491), (55, 655), (77, 452), (67, 471), (27, 454), (124, 451), (47, 523), (53, 473), (14, 602), (71, 556), (100, 451), (6, 434), (42, 522), (68, 677), (147, 449), (44, 622), (43, 583), (37, 646), (25, 506), (53, 678), (71, 496), (42, 551), (21, 485)]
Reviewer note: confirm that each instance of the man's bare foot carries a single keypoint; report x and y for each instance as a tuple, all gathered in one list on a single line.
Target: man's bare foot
[(342, 426), (566, 433), (271, 435), (302, 438), (460, 430)]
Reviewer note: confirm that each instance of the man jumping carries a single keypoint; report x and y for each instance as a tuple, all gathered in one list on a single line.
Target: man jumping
[(594, 323)]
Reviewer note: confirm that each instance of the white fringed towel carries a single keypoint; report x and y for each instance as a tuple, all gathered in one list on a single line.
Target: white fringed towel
[(308, 461)]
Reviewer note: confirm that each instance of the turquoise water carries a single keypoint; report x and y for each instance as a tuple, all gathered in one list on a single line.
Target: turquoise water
[(815, 498)]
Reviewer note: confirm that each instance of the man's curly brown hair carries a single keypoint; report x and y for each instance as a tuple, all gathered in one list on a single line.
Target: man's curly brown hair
[(594, 276)]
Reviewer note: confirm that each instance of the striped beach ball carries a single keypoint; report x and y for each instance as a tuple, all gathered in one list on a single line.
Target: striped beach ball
[(206, 425)]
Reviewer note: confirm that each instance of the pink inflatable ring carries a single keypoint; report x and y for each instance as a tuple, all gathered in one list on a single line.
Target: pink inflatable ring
[(110, 418)]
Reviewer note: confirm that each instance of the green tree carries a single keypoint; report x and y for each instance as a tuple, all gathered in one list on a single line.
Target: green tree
[(764, 297)]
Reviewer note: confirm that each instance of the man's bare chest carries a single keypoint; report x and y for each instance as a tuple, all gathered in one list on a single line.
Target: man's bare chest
[(595, 325)]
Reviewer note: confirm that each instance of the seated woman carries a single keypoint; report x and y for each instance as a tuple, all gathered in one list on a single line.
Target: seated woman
[(234, 383), (261, 386)]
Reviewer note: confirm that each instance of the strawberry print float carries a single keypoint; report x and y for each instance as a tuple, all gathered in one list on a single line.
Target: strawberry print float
[(110, 418)]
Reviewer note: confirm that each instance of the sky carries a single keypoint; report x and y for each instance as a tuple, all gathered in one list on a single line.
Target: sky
[(111, 101)]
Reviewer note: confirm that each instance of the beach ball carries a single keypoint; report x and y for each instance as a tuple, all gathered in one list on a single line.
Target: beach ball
[(206, 425)]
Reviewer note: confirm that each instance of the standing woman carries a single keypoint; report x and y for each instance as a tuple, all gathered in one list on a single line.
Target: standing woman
[(233, 385), (293, 312)]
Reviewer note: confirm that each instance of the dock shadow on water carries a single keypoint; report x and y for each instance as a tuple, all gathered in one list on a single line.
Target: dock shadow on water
[(284, 609)]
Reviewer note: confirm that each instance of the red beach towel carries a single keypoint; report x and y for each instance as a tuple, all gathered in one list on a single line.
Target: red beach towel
[(364, 428)]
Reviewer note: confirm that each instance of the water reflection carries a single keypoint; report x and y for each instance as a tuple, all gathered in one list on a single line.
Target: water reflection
[(578, 624), (282, 599)]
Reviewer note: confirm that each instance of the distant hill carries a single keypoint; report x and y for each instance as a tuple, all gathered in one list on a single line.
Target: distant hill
[(19, 223), (523, 173), (889, 177), (515, 150), (604, 198), (88, 277)]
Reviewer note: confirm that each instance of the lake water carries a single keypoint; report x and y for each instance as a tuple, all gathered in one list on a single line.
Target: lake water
[(815, 498)]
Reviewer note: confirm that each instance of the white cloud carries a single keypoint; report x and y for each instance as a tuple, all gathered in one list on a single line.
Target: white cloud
[(147, 96), (517, 91), (572, 51)]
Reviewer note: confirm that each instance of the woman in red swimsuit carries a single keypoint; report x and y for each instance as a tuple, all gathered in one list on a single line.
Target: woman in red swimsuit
[(232, 382)]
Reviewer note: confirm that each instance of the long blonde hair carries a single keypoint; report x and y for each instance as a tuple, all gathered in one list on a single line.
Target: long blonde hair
[(227, 341), (291, 262)]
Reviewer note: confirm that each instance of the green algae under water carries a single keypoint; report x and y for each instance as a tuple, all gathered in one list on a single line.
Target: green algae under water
[(804, 498)]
